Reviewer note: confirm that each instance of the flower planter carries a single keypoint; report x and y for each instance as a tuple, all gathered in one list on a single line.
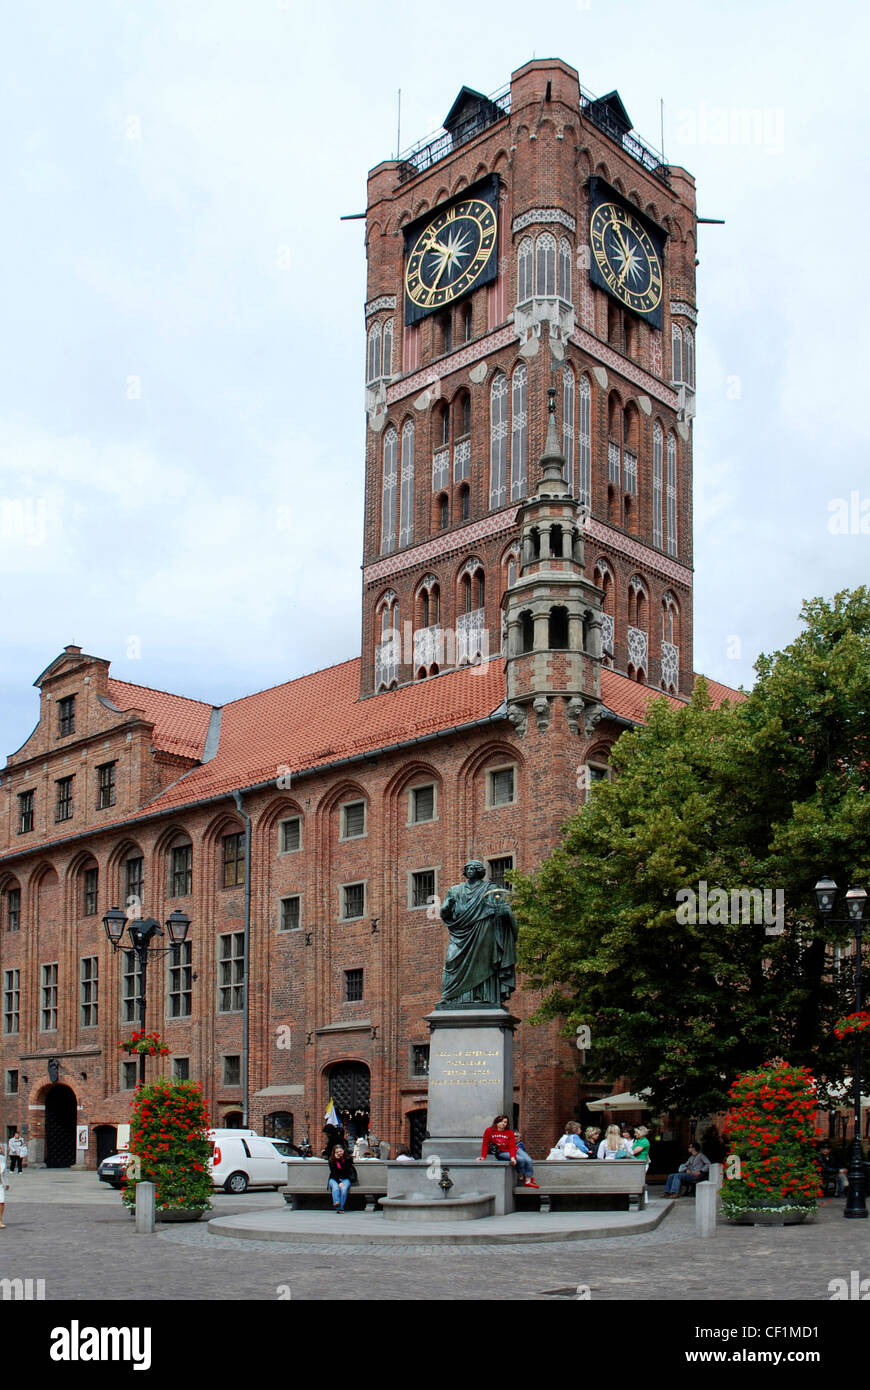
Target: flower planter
[(770, 1217), (181, 1213)]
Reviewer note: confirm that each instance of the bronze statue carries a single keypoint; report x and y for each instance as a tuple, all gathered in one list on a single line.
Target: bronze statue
[(480, 967)]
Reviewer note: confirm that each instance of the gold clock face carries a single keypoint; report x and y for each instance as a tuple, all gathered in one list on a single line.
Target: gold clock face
[(451, 253), (626, 257)]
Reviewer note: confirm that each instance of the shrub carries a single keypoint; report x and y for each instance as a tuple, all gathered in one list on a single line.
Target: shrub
[(771, 1130), (168, 1134)]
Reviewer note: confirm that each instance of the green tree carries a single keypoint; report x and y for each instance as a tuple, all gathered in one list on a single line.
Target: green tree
[(765, 793)]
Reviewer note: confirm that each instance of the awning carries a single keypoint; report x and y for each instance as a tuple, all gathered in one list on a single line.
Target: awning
[(624, 1100)]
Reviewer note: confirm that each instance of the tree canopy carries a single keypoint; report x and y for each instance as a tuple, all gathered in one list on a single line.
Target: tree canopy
[(768, 793)]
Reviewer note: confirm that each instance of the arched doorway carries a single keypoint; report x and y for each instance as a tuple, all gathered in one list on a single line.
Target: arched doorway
[(60, 1126), (349, 1084), (107, 1141)]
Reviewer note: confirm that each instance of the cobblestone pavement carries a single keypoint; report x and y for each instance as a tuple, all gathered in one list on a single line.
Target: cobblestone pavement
[(72, 1232)]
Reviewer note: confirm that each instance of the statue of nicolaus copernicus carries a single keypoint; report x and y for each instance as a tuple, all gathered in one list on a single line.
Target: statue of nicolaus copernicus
[(480, 967)]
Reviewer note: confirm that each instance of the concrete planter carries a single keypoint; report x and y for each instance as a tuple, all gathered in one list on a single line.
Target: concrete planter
[(182, 1213)]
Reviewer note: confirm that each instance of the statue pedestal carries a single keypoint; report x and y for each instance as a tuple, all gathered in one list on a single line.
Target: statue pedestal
[(471, 1078)]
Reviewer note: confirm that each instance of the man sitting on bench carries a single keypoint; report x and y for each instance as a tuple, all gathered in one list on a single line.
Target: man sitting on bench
[(696, 1169)]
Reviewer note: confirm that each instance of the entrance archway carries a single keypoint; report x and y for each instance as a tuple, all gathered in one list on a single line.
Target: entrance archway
[(60, 1126), (349, 1084)]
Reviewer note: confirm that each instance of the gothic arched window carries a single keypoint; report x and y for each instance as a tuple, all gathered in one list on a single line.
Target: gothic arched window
[(406, 524), (658, 443), (568, 424), (388, 495), (545, 265), (387, 361), (498, 430), (584, 441), (676, 353), (373, 355), (524, 269), (689, 358), (671, 496), (565, 269), (519, 434)]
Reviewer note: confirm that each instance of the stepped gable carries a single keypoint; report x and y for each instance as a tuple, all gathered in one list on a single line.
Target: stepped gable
[(180, 724)]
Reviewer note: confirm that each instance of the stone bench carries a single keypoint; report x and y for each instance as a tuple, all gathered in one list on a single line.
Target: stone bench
[(608, 1179), (307, 1178)]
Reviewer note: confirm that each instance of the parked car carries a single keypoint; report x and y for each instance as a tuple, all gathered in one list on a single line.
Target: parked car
[(241, 1159), (113, 1169)]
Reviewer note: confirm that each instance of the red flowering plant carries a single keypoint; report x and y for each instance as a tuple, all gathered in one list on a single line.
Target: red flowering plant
[(771, 1132), (168, 1134), (150, 1043), (852, 1023)]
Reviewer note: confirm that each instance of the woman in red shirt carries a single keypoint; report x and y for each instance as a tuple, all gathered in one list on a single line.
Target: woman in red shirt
[(501, 1138)]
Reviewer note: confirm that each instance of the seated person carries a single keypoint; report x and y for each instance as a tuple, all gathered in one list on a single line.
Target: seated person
[(403, 1154), (696, 1169), (830, 1171), (500, 1138), (570, 1145)]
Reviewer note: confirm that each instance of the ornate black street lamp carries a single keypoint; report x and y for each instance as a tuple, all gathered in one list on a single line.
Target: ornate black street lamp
[(141, 931), (856, 902)]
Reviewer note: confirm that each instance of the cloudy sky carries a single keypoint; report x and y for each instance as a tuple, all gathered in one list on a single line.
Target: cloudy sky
[(181, 399)]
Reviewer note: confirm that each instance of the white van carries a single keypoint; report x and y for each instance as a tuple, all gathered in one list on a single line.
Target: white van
[(242, 1159)]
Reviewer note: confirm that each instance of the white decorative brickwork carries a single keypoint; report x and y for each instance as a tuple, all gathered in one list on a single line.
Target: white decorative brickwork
[(637, 648), (441, 545), (440, 469), (465, 357), (679, 306), (646, 557), (387, 662), (544, 215), (469, 636), (671, 664), (618, 363), (462, 460), (428, 646), (384, 301), (606, 633)]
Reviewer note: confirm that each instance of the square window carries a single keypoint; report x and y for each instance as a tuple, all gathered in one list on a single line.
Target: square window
[(25, 812), (181, 1068), (353, 986), (291, 913), (422, 804), (13, 909), (232, 1070), (48, 1012), (105, 786), (88, 990), (595, 773), (353, 820), (290, 837), (12, 1082), (353, 900), (11, 1000), (501, 787), (91, 884), (420, 1059), (499, 867), (66, 710), (231, 967), (422, 888), (63, 807), (129, 1075), (181, 871), (234, 861), (134, 881), (180, 982)]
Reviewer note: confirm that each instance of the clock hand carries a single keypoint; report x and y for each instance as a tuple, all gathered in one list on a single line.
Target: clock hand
[(625, 251)]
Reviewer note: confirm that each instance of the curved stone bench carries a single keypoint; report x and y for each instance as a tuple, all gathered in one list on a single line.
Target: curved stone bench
[(587, 1177), (307, 1177)]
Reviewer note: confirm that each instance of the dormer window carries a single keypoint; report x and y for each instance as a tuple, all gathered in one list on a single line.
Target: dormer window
[(66, 709)]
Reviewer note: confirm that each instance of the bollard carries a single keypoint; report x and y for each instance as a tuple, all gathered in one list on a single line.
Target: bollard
[(716, 1175), (706, 1194), (144, 1208)]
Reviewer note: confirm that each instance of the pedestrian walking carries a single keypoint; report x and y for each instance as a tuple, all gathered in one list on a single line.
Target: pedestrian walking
[(3, 1184), (17, 1152)]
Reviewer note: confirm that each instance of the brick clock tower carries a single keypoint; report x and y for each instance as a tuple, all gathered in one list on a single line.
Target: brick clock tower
[(536, 247)]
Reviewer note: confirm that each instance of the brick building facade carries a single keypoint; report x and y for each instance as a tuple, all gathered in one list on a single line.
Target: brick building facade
[(528, 500)]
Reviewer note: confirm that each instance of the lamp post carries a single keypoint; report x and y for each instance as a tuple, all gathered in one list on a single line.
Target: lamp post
[(856, 902), (142, 930)]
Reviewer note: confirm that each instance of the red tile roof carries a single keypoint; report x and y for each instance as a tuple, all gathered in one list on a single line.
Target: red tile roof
[(180, 725)]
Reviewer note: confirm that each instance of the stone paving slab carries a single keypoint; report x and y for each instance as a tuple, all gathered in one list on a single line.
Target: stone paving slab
[(88, 1250)]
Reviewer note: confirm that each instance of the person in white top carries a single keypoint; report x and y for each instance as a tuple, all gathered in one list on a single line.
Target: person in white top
[(612, 1143), (3, 1183)]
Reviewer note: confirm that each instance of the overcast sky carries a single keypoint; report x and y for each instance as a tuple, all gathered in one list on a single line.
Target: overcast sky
[(181, 384)]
